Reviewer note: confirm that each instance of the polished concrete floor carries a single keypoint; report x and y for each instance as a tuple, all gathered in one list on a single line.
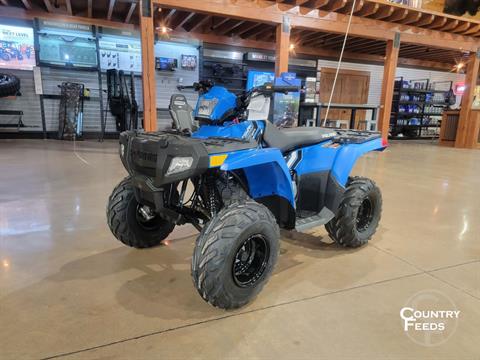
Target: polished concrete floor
[(68, 289)]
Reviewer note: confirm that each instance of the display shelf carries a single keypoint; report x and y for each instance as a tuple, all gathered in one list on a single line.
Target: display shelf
[(422, 98)]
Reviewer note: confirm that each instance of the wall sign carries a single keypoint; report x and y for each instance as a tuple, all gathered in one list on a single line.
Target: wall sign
[(17, 49), (189, 62)]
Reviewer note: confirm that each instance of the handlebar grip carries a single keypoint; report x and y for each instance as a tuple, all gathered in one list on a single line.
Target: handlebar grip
[(285, 88)]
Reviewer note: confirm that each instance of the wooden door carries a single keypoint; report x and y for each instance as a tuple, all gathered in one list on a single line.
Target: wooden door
[(352, 88)]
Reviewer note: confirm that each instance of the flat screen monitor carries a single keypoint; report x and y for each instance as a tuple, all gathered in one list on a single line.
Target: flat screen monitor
[(17, 49)]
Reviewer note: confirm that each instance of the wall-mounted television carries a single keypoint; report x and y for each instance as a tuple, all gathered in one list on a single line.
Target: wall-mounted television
[(66, 44), (17, 49), (165, 64)]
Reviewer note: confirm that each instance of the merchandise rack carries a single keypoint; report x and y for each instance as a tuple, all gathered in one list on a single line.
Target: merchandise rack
[(414, 113)]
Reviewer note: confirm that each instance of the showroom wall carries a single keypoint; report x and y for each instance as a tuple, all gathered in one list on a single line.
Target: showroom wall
[(167, 82), (376, 76)]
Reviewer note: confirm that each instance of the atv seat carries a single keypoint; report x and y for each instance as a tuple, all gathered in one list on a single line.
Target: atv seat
[(181, 113), (288, 139)]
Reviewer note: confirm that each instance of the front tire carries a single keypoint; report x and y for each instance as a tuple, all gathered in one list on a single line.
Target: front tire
[(128, 225), (235, 254), (359, 213)]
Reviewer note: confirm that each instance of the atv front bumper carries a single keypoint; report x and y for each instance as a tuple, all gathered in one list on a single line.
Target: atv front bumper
[(148, 156)]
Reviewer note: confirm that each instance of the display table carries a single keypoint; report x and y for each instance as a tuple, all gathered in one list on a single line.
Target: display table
[(353, 112)]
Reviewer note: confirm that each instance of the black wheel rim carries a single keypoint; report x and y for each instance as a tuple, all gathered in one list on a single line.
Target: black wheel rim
[(365, 214), (250, 261), (152, 224)]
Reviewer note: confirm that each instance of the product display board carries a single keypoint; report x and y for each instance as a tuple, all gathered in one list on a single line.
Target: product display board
[(120, 50), (285, 106), (66, 44), (258, 78), (17, 49)]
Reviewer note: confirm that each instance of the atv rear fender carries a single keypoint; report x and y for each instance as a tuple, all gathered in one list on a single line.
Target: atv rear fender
[(269, 180), (347, 156)]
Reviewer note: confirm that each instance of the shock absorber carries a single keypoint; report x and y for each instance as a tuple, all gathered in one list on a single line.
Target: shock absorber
[(212, 195)]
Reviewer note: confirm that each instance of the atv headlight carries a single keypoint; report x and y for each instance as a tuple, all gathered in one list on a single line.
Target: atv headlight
[(205, 107), (122, 150), (179, 164)]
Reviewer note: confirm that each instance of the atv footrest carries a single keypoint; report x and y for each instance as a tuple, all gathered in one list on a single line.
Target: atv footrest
[(319, 219)]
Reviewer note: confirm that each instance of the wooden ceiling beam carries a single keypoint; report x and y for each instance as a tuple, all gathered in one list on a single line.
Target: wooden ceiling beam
[(472, 30), (179, 19), (438, 22), (425, 20), (130, 12), (398, 15), (334, 5), (26, 4), (68, 5), (111, 4), (322, 21), (383, 13), (48, 6), (312, 5), (411, 18), (245, 27), (359, 4), (368, 9), (452, 24), (251, 31), (461, 28), (89, 8), (195, 22), (228, 27)]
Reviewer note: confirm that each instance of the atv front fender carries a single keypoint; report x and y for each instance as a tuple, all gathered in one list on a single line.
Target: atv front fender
[(347, 156), (266, 172)]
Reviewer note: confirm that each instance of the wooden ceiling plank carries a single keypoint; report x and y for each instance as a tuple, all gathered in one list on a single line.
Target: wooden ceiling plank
[(348, 8), (383, 13), (334, 5), (411, 18), (228, 27), (472, 30), (449, 26), (398, 15), (438, 22), (111, 4), (130, 12), (48, 5), (311, 6), (462, 27), (180, 18), (427, 19), (252, 31), (368, 9), (27, 4), (245, 27)]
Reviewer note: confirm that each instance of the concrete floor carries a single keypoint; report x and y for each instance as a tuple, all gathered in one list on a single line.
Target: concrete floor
[(69, 289)]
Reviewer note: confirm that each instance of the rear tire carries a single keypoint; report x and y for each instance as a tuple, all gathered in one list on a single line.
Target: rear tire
[(126, 223), (235, 254), (9, 85), (359, 213)]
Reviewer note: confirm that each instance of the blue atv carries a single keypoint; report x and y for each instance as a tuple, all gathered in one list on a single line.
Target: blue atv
[(225, 169)]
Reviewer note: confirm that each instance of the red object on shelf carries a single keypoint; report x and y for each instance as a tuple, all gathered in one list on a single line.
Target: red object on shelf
[(459, 88)]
